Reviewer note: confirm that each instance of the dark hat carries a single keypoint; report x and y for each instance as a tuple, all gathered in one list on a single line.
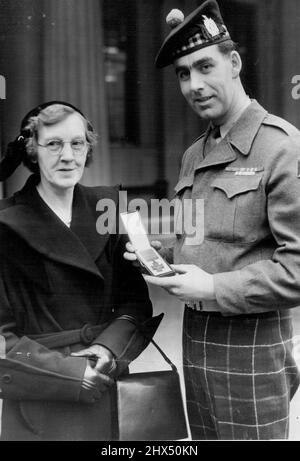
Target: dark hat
[(203, 27), (16, 150)]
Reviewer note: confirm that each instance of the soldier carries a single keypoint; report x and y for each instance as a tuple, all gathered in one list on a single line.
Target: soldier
[(240, 282)]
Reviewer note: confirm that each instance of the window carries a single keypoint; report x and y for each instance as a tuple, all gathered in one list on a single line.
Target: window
[(120, 40)]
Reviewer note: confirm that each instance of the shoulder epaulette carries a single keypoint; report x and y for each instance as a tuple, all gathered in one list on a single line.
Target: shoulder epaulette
[(278, 122)]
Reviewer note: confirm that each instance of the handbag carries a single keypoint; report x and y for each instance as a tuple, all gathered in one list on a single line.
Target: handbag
[(149, 405)]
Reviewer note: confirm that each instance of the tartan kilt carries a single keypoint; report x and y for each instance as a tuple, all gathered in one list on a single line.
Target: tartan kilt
[(240, 374)]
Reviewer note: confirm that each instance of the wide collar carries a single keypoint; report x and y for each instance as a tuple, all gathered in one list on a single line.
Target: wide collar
[(240, 137), (38, 225)]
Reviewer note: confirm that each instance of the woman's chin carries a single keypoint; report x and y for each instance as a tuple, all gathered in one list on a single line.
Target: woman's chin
[(67, 179)]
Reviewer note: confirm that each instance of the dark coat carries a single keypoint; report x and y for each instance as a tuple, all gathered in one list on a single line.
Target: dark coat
[(56, 279)]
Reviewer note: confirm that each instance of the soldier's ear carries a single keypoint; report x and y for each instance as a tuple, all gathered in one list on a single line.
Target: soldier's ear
[(236, 63)]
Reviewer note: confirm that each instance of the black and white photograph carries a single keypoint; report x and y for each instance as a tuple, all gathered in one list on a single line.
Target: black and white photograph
[(149, 223)]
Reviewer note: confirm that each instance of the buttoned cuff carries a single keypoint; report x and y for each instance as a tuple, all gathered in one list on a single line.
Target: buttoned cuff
[(127, 340), (26, 380), (116, 336)]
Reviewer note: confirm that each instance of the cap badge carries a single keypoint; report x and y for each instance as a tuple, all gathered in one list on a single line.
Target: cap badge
[(210, 26)]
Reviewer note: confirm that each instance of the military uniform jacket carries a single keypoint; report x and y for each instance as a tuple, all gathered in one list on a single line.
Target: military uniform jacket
[(56, 279), (250, 185)]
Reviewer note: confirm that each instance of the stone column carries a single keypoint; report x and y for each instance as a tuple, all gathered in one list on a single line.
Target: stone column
[(20, 51), (73, 69)]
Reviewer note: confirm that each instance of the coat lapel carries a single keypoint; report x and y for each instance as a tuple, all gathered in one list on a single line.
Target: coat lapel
[(36, 223), (84, 219)]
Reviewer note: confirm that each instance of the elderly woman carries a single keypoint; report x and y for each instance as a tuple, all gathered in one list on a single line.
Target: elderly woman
[(71, 308)]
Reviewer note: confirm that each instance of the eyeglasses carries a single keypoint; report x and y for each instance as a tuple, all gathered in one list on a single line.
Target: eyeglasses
[(56, 146)]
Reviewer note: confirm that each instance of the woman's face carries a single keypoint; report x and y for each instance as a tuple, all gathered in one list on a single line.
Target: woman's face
[(62, 170)]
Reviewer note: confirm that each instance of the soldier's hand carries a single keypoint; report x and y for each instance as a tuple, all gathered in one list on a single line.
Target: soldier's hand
[(130, 253), (189, 283)]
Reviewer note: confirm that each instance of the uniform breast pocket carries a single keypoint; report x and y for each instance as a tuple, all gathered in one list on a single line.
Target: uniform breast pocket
[(184, 185), (234, 208)]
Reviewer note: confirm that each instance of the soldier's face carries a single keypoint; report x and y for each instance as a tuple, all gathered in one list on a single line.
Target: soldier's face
[(207, 80)]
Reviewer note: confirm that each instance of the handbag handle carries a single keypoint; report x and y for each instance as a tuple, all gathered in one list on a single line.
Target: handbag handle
[(167, 359), (141, 329)]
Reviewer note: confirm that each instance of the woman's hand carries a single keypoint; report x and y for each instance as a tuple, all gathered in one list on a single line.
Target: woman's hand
[(100, 364), (93, 384), (103, 358)]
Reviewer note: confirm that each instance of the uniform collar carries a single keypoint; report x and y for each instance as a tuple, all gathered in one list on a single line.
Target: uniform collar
[(224, 129), (35, 222), (240, 137), (243, 132)]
